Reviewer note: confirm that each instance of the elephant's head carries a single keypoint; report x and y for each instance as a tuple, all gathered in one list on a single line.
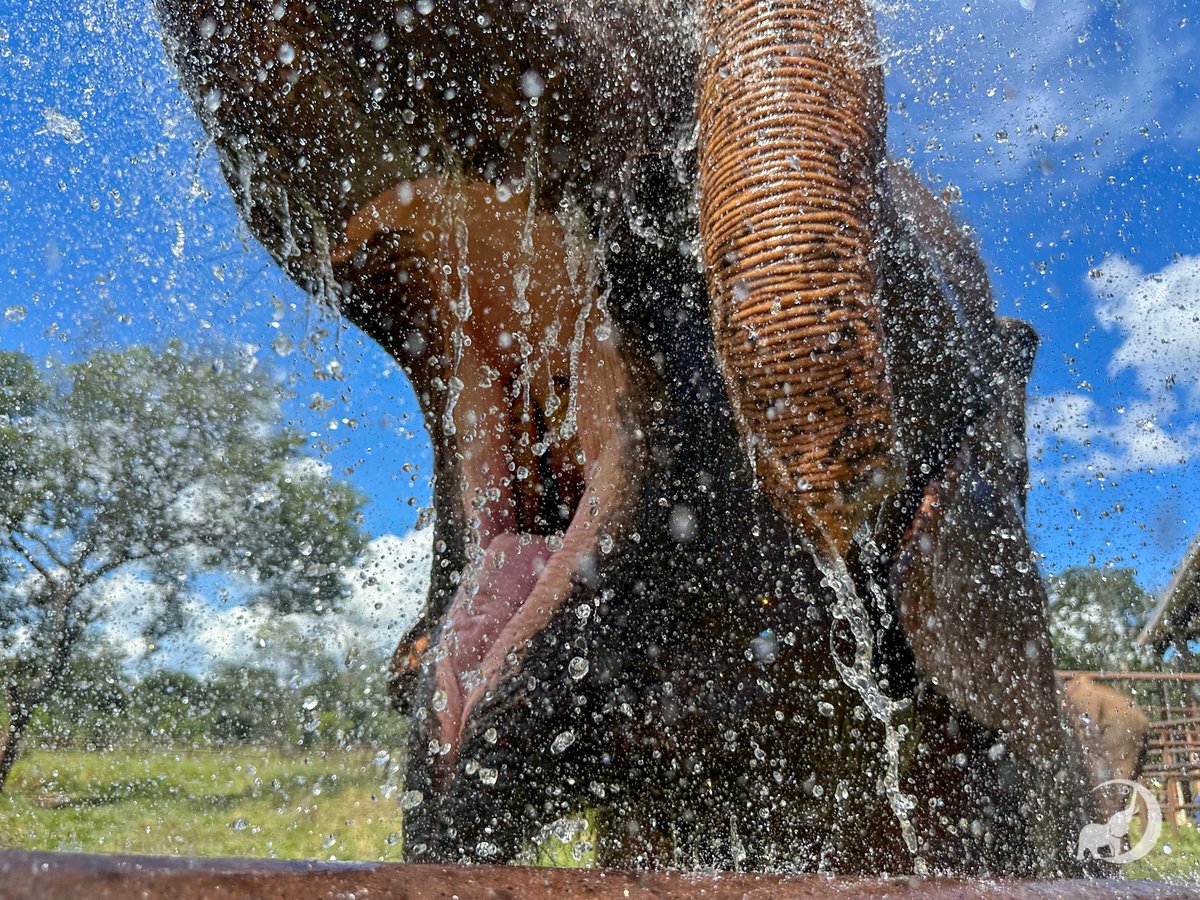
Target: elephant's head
[(1112, 732), (328, 118), (504, 195)]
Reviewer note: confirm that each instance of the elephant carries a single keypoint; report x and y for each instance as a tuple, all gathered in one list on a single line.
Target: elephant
[(729, 545), (1112, 732)]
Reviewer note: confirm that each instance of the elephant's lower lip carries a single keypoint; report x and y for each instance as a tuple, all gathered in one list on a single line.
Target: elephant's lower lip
[(507, 598)]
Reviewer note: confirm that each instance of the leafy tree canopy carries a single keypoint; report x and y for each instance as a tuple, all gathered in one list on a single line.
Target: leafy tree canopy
[(165, 465), (1095, 617)]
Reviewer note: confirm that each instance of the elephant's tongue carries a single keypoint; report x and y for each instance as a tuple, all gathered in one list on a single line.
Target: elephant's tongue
[(503, 581)]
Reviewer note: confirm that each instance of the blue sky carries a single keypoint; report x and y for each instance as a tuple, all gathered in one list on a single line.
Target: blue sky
[(1070, 132)]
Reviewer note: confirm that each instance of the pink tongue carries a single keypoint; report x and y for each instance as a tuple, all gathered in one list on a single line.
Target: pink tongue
[(506, 577)]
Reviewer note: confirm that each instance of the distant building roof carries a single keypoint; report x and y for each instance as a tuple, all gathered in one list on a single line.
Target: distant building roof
[(1176, 618)]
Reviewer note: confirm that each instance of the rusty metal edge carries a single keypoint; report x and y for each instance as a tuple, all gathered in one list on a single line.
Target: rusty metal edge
[(51, 876)]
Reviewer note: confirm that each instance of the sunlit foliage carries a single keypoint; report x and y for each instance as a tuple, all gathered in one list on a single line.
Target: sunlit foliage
[(169, 468)]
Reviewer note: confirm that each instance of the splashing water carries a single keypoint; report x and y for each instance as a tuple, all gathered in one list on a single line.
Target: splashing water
[(584, 267), (457, 226), (849, 609)]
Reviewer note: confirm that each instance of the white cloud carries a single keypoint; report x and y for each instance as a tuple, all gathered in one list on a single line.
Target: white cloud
[(1157, 317), (126, 604), (387, 591), (1003, 84), (305, 468), (387, 588), (1064, 417), (1128, 438)]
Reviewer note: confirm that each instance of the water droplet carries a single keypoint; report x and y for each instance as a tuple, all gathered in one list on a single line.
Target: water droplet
[(282, 345), (310, 702), (682, 524), (54, 122), (15, 313), (411, 799), (532, 84), (578, 667), (765, 648), (564, 740)]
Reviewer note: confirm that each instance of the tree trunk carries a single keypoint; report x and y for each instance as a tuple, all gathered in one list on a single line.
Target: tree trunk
[(19, 715), (61, 639)]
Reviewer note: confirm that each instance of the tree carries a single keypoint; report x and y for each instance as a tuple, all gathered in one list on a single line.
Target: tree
[(1095, 617), (168, 467)]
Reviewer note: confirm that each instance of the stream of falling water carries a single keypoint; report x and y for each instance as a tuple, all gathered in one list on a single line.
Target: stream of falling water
[(454, 259), (849, 609), (583, 274)]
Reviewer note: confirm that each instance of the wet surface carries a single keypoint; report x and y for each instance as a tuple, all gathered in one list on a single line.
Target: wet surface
[(63, 875)]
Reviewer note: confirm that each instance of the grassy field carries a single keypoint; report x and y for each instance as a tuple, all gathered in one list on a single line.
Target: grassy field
[(1176, 857), (233, 802), (262, 802)]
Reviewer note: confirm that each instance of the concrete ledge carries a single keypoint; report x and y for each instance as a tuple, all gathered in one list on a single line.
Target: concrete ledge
[(49, 876)]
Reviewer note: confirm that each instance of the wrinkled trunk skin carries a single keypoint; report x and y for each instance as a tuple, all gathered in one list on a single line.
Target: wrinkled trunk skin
[(792, 122), (711, 727)]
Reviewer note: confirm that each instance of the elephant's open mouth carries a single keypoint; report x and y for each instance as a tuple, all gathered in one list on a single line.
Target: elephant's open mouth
[(524, 391), (517, 580)]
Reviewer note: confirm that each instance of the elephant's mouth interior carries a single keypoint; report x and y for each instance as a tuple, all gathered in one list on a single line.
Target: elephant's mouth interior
[(533, 538), (528, 412)]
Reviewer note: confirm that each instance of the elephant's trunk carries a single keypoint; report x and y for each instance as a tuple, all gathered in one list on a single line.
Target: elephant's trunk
[(792, 121)]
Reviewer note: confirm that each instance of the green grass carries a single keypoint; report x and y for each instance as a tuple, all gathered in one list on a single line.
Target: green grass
[(569, 843), (1176, 856), (255, 802), (232, 802)]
